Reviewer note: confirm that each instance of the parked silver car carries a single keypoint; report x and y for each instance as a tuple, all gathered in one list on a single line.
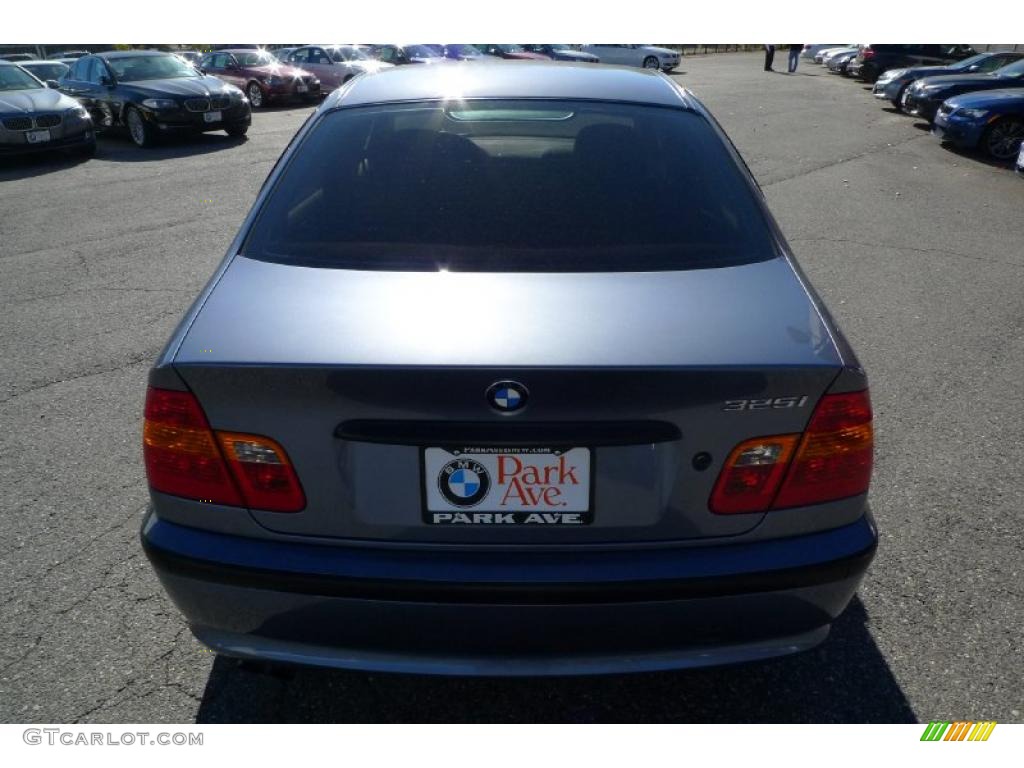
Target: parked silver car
[(333, 64), (646, 56), (590, 419), (35, 118)]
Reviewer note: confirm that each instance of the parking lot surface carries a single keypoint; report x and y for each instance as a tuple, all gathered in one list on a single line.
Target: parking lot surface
[(916, 249)]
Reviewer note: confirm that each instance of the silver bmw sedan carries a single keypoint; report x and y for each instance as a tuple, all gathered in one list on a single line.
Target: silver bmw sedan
[(509, 371)]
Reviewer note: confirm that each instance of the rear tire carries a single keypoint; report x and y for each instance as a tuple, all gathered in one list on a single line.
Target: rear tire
[(1001, 140), (142, 133), (651, 62)]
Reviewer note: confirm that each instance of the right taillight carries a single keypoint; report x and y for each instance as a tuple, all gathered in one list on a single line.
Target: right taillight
[(830, 460), (835, 454), (184, 457)]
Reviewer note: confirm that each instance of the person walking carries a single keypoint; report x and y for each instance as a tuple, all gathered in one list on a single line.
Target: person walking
[(769, 57), (794, 56)]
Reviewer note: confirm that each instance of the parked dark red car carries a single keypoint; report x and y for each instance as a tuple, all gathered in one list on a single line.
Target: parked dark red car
[(261, 76)]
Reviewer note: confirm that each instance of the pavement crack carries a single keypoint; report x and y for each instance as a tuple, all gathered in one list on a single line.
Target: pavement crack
[(891, 246), (135, 360), (840, 161), (28, 652)]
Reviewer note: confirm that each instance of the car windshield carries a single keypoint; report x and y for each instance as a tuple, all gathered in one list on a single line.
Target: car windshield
[(16, 79), (131, 68), (347, 53), (523, 185), (511, 48), (1012, 70), (47, 71), (971, 61), (256, 59)]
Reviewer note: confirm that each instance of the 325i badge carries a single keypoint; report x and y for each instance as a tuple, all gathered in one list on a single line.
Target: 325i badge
[(507, 486)]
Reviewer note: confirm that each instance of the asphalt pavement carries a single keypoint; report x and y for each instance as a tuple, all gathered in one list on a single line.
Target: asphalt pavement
[(918, 251)]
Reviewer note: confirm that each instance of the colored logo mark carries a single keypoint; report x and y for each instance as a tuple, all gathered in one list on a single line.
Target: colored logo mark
[(464, 482), (507, 396), (958, 731)]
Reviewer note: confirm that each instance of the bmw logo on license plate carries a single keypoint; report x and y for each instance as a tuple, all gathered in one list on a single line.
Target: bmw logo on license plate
[(464, 482), (507, 396)]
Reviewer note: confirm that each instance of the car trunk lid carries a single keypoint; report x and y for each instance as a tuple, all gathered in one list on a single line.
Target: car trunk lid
[(363, 376)]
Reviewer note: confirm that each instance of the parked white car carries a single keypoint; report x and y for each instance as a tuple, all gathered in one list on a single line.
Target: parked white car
[(646, 56), (811, 49), (822, 56)]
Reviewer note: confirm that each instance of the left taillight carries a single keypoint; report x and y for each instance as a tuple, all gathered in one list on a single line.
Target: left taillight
[(831, 460), (185, 457)]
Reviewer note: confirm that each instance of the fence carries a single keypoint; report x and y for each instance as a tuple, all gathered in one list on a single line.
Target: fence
[(692, 49)]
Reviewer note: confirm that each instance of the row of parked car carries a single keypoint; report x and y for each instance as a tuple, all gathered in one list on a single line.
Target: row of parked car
[(62, 103), (973, 100)]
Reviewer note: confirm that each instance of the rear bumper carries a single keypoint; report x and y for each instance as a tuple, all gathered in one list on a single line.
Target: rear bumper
[(460, 611)]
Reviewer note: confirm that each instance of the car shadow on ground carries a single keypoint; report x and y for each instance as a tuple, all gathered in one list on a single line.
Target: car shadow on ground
[(29, 166), (286, 106), (979, 156), (120, 149), (846, 679)]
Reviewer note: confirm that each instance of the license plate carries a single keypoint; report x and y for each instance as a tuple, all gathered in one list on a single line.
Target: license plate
[(302, 88), (37, 137), (507, 486), (212, 117)]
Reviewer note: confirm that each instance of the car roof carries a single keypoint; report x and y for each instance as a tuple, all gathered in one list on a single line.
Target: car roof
[(40, 61), (512, 80)]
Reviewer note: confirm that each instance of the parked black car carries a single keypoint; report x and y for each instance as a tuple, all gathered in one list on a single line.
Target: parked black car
[(924, 97), (152, 93), (874, 59)]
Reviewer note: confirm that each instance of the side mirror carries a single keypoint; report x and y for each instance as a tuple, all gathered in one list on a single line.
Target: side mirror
[(202, 70), (52, 84), (107, 81)]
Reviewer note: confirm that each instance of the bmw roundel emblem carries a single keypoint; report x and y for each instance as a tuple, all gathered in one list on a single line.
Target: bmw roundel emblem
[(507, 396), (464, 482)]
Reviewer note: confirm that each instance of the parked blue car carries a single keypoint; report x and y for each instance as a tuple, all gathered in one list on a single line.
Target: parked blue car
[(893, 82), (992, 121), (463, 52)]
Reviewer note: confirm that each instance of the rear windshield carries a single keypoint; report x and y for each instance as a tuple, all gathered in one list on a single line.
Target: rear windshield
[(511, 186)]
